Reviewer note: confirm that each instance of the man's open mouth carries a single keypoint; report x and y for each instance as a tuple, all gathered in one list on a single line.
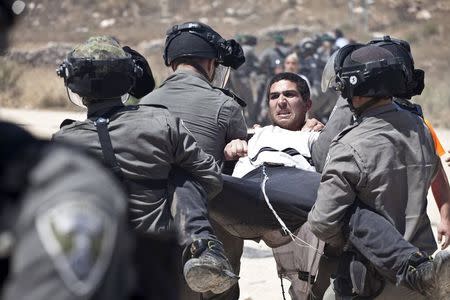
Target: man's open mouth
[(284, 113)]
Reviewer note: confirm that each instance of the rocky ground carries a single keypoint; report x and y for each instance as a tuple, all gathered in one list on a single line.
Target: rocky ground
[(49, 29), (259, 279)]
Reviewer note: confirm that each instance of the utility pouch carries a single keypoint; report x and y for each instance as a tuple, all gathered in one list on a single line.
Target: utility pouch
[(358, 273), (356, 278)]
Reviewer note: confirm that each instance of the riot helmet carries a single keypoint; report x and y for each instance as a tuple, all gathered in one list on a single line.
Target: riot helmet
[(365, 70), (415, 77), (307, 47), (98, 69), (198, 40), (246, 39)]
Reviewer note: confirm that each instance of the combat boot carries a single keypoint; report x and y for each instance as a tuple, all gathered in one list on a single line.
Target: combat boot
[(207, 268), (431, 277)]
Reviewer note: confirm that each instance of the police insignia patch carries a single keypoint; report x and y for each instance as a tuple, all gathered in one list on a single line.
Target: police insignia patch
[(79, 238)]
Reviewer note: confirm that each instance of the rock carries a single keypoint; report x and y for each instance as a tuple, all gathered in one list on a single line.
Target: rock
[(107, 23), (82, 29), (50, 55), (204, 20), (423, 15), (281, 29), (231, 20), (358, 10)]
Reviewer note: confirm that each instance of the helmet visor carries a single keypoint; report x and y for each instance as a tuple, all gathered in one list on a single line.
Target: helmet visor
[(329, 74), (221, 76)]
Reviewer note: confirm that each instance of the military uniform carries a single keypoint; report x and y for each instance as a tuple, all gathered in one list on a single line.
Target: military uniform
[(214, 119), (386, 159), (68, 223), (147, 143), (340, 118)]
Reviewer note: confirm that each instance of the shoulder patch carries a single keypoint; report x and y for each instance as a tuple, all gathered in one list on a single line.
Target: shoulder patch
[(66, 122), (232, 95), (79, 238)]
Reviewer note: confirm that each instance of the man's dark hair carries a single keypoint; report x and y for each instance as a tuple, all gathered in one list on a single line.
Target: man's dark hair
[(302, 85)]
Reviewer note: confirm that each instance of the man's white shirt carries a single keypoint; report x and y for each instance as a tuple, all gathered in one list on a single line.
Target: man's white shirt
[(273, 144)]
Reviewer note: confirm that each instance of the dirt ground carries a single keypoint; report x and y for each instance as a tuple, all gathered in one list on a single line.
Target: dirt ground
[(259, 279)]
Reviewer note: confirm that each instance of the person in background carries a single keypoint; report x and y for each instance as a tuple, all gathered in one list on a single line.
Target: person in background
[(243, 80)]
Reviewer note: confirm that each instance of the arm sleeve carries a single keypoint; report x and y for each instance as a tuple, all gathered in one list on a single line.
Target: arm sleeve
[(340, 118), (194, 160), (336, 193), (232, 117)]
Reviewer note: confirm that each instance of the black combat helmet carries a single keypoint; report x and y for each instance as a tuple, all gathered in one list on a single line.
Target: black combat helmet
[(415, 77), (98, 69), (198, 40), (365, 70)]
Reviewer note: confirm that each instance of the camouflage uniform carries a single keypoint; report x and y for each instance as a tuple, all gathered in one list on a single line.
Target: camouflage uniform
[(147, 144)]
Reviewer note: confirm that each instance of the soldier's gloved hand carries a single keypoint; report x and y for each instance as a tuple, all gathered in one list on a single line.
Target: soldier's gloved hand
[(312, 125), (235, 149), (146, 83)]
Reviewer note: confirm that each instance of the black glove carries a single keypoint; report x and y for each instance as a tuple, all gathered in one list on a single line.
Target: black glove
[(146, 83)]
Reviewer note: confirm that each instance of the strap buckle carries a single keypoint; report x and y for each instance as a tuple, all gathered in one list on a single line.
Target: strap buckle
[(101, 120)]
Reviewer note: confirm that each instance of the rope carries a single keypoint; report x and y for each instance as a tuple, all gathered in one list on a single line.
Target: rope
[(283, 225), (282, 287)]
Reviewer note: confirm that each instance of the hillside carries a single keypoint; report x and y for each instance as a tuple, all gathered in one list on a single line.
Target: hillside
[(142, 24)]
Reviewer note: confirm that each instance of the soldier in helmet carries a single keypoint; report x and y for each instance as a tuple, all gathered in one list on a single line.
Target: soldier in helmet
[(151, 152), (63, 218), (386, 154), (200, 58)]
